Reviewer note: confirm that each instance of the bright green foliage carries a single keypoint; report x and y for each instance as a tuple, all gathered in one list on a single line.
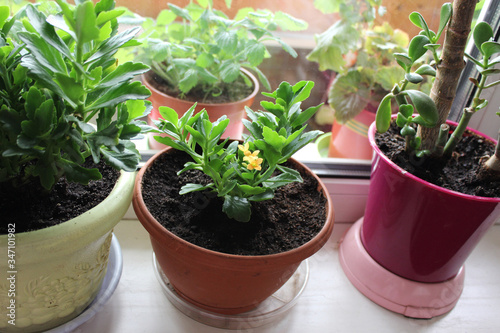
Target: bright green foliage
[(242, 173), (72, 78), (198, 46), (360, 52)]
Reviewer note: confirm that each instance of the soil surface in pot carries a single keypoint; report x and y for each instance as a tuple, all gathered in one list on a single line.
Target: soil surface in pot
[(294, 216), (32, 207), (231, 92), (458, 174)]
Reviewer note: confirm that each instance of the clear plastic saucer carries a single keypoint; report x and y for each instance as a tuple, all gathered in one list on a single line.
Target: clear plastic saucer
[(272, 309)]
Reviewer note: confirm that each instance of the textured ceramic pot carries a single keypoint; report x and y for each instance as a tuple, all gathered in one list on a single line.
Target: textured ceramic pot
[(418, 230), (59, 270), (350, 140), (220, 282), (235, 111)]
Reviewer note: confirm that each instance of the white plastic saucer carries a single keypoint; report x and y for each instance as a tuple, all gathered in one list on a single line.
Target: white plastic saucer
[(272, 309), (109, 284), (393, 292)]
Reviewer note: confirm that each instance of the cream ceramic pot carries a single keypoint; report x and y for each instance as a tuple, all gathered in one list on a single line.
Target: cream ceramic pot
[(58, 270)]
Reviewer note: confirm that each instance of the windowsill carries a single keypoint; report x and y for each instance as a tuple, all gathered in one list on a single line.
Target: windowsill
[(329, 303)]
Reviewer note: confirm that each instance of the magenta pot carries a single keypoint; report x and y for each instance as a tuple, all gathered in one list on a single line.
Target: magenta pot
[(418, 230)]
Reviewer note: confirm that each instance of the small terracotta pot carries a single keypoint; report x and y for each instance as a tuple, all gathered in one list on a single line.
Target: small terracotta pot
[(350, 140), (235, 111), (219, 282), (418, 230)]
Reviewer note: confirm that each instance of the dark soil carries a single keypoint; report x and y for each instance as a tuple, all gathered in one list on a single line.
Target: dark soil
[(231, 92), (32, 207), (294, 216), (457, 174)]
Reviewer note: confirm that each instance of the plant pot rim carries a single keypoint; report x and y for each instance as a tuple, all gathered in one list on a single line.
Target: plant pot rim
[(371, 137), (152, 225), (202, 105), (82, 222)]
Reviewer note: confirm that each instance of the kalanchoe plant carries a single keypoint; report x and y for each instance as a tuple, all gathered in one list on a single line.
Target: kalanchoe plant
[(73, 77), (248, 171), (418, 129), (198, 47)]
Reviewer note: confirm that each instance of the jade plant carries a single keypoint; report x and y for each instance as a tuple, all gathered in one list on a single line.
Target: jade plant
[(243, 172), (58, 72), (421, 116), (200, 49)]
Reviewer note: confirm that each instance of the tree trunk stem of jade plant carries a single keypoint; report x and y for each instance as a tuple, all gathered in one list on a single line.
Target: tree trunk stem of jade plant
[(451, 66)]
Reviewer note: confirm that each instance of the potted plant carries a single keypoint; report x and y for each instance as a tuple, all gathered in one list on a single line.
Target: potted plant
[(359, 52), (229, 263), (59, 72), (420, 226), (197, 53)]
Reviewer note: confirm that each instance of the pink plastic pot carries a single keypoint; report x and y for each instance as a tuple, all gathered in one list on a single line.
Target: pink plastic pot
[(418, 230)]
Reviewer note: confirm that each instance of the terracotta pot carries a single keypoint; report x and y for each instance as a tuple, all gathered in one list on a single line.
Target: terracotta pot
[(219, 282), (59, 270), (235, 111), (350, 140), (418, 230)]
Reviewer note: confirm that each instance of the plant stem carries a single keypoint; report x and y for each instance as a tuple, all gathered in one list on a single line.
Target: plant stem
[(493, 163), (450, 67), (442, 139), (464, 120)]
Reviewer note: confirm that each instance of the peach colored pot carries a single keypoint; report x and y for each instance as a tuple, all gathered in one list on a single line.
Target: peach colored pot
[(350, 140), (220, 282), (235, 111)]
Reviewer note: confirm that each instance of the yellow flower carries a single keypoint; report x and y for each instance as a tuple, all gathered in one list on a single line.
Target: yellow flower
[(244, 149), (253, 161)]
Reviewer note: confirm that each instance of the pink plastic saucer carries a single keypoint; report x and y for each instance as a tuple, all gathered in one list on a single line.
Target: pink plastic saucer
[(393, 292)]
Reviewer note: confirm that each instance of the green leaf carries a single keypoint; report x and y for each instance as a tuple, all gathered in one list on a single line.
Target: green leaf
[(204, 60), (188, 188), (406, 110), (229, 71), (111, 45), (116, 95), (86, 23), (332, 44), (123, 73), (273, 139), (414, 78), (127, 158), (237, 208), (79, 174), (256, 52), (445, 15), (348, 95), (425, 106), (482, 33), (490, 48), (169, 114), (426, 70), (417, 19), (227, 41), (106, 16), (403, 60), (188, 80), (288, 22), (417, 49), (383, 115)]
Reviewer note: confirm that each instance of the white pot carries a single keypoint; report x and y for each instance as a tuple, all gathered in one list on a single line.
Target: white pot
[(59, 270)]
